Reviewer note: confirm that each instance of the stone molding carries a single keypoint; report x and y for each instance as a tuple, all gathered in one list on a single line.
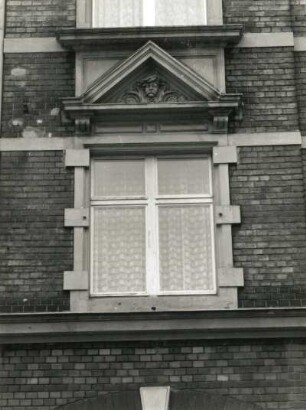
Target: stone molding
[(107, 96), (254, 40), (74, 143), (134, 37), (249, 40), (209, 325)]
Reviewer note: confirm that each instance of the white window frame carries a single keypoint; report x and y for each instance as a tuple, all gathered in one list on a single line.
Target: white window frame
[(148, 13), (152, 202)]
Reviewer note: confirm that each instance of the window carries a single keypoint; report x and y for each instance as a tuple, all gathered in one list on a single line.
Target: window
[(152, 226), (131, 13)]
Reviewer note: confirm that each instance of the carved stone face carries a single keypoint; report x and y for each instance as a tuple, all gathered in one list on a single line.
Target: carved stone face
[(151, 89)]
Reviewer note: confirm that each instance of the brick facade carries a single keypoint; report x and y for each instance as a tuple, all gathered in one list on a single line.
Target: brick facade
[(44, 376), (33, 86), (298, 14), (268, 183), (38, 18), (266, 78), (300, 59), (259, 16), (270, 244), (35, 187)]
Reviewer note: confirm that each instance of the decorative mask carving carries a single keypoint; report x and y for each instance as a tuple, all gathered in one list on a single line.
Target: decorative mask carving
[(151, 90)]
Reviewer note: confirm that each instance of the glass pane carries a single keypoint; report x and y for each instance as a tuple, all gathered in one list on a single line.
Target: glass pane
[(117, 13), (183, 176), (119, 248), (185, 246), (119, 178), (180, 12)]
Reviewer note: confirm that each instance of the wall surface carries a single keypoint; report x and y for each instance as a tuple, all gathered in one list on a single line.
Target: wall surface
[(35, 248), (258, 16), (268, 183), (41, 377), (270, 244), (266, 79), (41, 18), (33, 86)]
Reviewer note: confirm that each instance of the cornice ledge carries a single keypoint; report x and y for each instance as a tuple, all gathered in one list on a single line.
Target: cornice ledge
[(181, 36), (75, 327)]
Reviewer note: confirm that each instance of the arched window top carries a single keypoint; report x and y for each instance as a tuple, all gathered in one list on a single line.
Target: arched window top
[(133, 13)]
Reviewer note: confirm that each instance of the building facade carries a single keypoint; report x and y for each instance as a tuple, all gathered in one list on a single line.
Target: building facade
[(152, 204)]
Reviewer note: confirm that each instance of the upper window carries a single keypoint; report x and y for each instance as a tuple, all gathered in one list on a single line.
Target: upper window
[(152, 226), (132, 13)]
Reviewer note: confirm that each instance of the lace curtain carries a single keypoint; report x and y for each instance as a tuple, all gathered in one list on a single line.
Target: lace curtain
[(131, 13)]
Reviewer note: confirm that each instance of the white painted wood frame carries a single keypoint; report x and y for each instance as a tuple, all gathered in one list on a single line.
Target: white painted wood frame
[(152, 202)]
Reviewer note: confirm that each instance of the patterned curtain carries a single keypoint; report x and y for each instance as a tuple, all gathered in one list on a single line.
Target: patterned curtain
[(117, 13), (180, 12), (129, 13)]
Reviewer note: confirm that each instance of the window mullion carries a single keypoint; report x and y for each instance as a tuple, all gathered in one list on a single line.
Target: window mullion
[(151, 231)]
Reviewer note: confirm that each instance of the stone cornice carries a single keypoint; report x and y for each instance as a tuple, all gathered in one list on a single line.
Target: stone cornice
[(249, 40), (75, 327), (239, 140), (88, 38)]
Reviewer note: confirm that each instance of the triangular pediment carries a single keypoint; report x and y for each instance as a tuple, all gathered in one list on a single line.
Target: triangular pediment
[(152, 83), (151, 75)]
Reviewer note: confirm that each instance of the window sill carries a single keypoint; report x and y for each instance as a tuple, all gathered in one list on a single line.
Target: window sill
[(230, 324), (180, 36)]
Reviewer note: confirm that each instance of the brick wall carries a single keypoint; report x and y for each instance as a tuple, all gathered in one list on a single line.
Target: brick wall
[(300, 60), (266, 78), (35, 248), (33, 87), (38, 18), (258, 16), (44, 376), (298, 13), (270, 244)]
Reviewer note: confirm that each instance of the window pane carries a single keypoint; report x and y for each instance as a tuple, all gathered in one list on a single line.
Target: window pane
[(119, 249), (185, 248), (119, 178), (184, 176), (180, 12), (117, 13)]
